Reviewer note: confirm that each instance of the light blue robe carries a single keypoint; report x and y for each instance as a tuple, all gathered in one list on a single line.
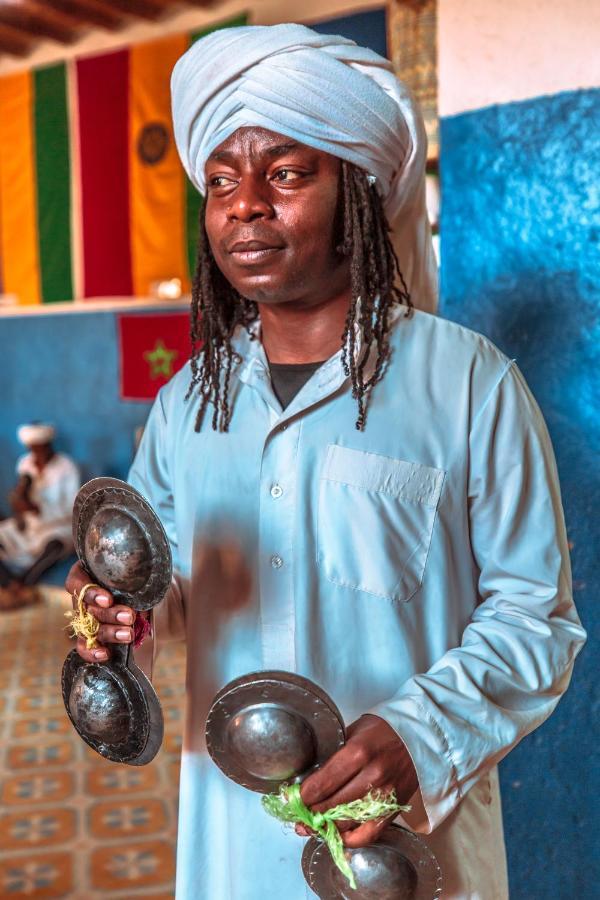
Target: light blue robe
[(417, 570)]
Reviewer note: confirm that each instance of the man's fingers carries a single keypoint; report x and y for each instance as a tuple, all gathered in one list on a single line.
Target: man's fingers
[(114, 634), (366, 780), (107, 634), (97, 654), (114, 615), (336, 772), (77, 580), (365, 834)]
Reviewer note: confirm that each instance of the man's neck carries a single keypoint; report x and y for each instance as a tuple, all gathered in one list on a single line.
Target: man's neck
[(295, 333)]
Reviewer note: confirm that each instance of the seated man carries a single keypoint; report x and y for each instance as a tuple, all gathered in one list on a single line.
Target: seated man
[(39, 532)]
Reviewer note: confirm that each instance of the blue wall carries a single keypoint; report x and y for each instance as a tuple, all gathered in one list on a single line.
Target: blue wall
[(520, 263), (367, 28), (65, 369)]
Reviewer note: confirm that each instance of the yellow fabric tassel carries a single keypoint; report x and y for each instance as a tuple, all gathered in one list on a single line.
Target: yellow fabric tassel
[(82, 622)]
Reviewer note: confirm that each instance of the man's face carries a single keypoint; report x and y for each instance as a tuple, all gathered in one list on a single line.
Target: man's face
[(41, 453), (273, 218)]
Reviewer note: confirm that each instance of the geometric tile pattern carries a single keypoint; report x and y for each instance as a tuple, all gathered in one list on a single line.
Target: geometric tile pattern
[(72, 824)]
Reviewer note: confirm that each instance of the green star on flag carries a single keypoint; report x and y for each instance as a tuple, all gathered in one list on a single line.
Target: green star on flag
[(160, 360), (153, 347)]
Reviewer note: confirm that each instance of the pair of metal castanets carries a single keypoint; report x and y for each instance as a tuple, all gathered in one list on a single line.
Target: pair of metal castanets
[(122, 544), (263, 730), (270, 728)]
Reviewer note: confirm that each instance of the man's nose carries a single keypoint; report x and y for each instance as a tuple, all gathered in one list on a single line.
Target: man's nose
[(251, 201)]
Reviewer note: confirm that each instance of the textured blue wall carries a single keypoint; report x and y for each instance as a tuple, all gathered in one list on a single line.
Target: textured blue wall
[(521, 264), (65, 369)]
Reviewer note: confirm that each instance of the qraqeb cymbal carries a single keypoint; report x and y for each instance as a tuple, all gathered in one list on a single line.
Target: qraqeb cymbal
[(400, 866), (268, 728), (122, 544)]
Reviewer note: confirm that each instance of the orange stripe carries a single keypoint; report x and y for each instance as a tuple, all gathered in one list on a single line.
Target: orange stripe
[(19, 239), (156, 206)]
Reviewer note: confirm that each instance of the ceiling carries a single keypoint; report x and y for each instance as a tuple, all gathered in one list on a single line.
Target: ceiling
[(24, 23)]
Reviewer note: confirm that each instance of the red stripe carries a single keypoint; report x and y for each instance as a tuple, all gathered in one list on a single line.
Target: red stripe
[(103, 133)]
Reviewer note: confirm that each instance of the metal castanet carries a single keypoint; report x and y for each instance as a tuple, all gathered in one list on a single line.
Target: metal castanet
[(400, 866), (122, 544), (268, 728)]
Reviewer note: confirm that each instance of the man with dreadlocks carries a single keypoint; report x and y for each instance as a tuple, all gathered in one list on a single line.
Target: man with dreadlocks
[(353, 490)]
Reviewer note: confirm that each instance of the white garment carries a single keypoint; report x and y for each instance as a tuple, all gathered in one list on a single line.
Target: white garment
[(327, 93), (53, 491), (417, 570)]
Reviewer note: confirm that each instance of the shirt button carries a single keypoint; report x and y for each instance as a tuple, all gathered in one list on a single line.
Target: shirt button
[(276, 562), (276, 491)]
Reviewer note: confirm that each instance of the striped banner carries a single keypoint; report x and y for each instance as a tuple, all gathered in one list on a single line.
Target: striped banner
[(135, 214), (35, 195)]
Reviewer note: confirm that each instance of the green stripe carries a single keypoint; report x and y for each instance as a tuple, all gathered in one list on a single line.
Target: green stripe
[(193, 198), (53, 182), (192, 213)]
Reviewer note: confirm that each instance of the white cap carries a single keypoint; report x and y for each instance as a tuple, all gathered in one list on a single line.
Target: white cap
[(34, 434)]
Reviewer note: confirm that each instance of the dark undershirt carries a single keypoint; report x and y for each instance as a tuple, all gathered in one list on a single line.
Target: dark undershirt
[(288, 378)]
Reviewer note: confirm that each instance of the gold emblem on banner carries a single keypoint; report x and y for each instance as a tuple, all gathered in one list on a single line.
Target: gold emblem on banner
[(153, 143)]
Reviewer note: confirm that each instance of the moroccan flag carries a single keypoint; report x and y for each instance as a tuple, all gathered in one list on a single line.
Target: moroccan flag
[(152, 348), (35, 191)]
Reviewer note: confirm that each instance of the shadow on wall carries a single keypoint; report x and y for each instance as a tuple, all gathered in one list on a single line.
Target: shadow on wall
[(520, 264)]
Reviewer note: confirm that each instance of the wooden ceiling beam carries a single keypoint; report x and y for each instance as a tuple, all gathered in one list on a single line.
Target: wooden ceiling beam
[(45, 10), (99, 15), (137, 9), (29, 17), (13, 41)]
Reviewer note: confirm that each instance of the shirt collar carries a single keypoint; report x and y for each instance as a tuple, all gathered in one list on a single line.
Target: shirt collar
[(253, 367)]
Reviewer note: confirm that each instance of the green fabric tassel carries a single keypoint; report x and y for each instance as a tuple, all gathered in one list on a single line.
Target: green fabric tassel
[(287, 806)]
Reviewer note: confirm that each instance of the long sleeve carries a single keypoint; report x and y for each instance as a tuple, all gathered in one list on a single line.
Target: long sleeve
[(150, 475), (516, 655)]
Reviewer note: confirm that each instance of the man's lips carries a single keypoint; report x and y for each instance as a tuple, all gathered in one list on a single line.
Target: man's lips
[(253, 251)]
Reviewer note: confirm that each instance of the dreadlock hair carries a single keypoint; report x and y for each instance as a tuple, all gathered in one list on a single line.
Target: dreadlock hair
[(217, 308)]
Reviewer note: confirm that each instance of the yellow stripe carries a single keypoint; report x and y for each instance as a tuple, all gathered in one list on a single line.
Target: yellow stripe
[(157, 207), (19, 239)]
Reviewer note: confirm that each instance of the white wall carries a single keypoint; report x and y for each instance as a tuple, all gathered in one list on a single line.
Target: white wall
[(260, 12), (497, 51)]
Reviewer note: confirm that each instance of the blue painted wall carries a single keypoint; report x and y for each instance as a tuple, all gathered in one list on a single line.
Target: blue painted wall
[(367, 28), (65, 369), (521, 263)]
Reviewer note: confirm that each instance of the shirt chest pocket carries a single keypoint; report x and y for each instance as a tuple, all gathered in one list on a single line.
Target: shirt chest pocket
[(375, 520)]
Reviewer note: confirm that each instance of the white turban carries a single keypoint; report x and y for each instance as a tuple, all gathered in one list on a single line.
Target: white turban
[(323, 91), (38, 433)]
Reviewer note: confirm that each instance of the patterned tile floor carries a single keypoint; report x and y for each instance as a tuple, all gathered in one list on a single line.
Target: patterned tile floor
[(71, 823)]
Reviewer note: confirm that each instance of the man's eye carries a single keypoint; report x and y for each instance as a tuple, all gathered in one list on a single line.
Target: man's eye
[(286, 175), (219, 181)]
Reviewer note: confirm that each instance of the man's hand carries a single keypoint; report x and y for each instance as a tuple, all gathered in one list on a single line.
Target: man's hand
[(374, 758), (20, 504), (117, 620)]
